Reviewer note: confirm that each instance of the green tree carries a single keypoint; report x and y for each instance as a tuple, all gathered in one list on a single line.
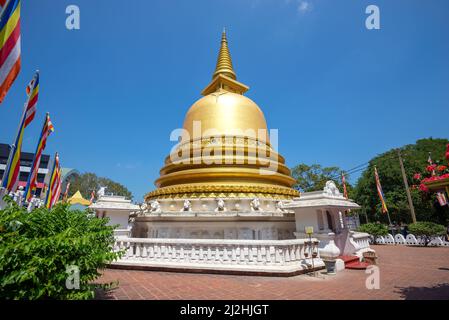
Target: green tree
[(374, 229), (87, 182), (415, 161), (314, 177), (427, 230), (40, 250)]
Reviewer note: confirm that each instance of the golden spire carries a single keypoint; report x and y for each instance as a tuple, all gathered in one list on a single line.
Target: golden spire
[(224, 62)]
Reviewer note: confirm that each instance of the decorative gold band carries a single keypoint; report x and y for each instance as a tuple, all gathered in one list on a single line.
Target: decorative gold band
[(212, 191)]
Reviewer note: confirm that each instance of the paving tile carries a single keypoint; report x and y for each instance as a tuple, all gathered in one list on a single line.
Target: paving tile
[(405, 273)]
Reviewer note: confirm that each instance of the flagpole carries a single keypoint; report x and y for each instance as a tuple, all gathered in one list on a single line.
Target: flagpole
[(49, 183), (13, 146), (35, 157)]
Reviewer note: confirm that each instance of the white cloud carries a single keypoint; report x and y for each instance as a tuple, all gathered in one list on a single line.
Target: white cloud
[(304, 6)]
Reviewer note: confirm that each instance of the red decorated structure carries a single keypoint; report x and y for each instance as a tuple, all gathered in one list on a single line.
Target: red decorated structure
[(439, 179)]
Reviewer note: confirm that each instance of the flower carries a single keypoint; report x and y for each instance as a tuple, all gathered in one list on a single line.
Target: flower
[(447, 152), (441, 168), (431, 167), (417, 176), (423, 187)]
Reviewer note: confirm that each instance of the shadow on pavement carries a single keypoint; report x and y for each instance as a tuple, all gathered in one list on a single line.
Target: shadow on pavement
[(438, 292)]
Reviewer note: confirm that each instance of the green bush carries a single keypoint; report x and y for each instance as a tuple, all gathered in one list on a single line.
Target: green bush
[(374, 229), (37, 248), (426, 230)]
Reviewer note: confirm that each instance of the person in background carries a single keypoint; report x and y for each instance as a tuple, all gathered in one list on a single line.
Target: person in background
[(404, 230)]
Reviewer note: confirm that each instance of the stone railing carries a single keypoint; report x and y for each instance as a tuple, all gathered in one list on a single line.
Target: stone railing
[(122, 233), (399, 239), (361, 239), (271, 256)]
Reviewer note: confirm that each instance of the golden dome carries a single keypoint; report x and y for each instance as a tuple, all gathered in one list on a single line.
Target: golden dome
[(223, 113), (225, 150)]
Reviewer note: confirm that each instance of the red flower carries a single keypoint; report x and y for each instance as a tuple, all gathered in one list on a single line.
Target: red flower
[(441, 168), (422, 187), (431, 167), (417, 176), (447, 152)]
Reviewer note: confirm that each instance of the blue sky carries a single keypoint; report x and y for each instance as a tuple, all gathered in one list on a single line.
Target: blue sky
[(338, 93)]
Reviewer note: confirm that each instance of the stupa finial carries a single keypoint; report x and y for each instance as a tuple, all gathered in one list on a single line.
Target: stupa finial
[(224, 62)]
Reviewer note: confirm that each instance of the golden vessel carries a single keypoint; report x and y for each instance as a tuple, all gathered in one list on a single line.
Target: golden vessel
[(225, 149)]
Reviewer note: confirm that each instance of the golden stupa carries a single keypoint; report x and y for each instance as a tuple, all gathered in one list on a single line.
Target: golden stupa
[(227, 150)]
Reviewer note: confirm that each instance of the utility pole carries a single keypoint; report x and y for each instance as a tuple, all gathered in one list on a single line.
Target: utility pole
[(409, 197)]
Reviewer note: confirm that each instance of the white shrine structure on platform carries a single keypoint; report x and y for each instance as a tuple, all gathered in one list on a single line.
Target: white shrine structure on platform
[(225, 202), (326, 212), (117, 209)]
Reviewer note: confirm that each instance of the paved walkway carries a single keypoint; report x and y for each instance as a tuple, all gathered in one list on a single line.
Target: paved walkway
[(405, 273)]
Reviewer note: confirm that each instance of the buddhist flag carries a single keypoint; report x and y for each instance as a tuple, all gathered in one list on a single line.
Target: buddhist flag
[(12, 171), (11, 174), (32, 91), (9, 44), (429, 160), (32, 177), (54, 189), (441, 198), (380, 192), (92, 197), (343, 182), (66, 193)]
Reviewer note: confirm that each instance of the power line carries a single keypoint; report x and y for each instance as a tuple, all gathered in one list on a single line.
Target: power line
[(357, 168)]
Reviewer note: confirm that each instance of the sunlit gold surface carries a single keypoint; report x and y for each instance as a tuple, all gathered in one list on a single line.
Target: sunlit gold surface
[(243, 161)]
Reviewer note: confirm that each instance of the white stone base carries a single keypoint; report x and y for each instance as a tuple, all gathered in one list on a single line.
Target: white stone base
[(262, 257), (280, 270), (196, 225)]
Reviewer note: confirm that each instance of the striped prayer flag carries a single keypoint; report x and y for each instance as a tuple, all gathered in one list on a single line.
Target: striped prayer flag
[(66, 193), (429, 160), (10, 50), (32, 177), (343, 181), (12, 170), (441, 197), (92, 197), (54, 189), (33, 94), (380, 192)]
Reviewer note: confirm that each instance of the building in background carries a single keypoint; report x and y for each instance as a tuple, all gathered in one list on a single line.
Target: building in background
[(26, 160)]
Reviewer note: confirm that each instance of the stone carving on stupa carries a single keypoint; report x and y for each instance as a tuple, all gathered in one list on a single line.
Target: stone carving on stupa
[(220, 205), (155, 206), (187, 206), (279, 206), (255, 204)]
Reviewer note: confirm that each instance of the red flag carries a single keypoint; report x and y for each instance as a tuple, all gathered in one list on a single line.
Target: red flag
[(92, 196)]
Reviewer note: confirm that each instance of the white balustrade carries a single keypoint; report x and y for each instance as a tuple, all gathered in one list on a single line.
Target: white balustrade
[(399, 239), (217, 252), (410, 240), (362, 239)]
